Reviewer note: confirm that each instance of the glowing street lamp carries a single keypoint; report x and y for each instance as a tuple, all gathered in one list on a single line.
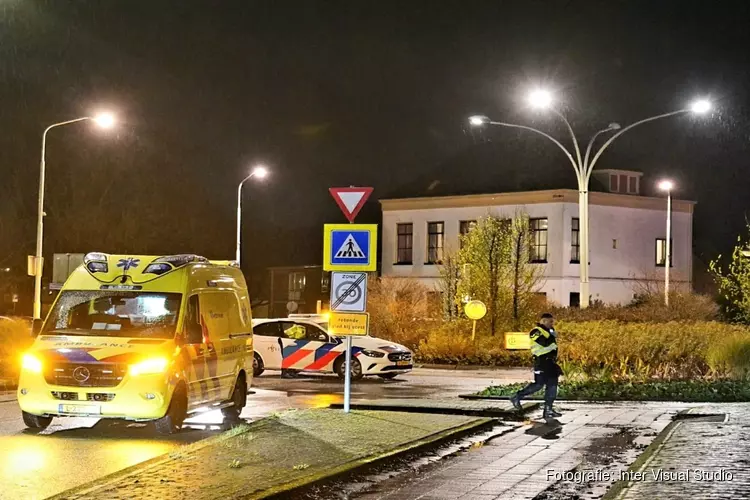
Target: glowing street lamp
[(583, 164), (700, 106), (259, 172), (102, 120), (540, 98), (667, 185)]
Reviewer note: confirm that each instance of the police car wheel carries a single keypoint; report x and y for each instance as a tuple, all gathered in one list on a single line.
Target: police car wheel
[(356, 368), (35, 421), (239, 398), (258, 367), (176, 413)]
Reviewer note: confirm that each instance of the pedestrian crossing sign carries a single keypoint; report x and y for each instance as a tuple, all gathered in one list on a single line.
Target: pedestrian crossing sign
[(350, 247)]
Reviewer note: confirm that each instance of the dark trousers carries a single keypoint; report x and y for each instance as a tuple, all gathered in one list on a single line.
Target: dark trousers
[(542, 378)]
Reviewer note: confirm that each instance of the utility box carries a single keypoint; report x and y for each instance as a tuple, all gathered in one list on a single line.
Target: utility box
[(63, 264)]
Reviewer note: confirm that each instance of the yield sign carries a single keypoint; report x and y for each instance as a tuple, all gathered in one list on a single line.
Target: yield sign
[(350, 200)]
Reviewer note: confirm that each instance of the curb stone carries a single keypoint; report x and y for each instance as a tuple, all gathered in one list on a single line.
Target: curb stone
[(620, 487), (434, 439)]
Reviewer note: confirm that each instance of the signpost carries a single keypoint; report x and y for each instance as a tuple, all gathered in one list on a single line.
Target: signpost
[(351, 251), (351, 200), (517, 340), (475, 310), (350, 247), (348, 292)]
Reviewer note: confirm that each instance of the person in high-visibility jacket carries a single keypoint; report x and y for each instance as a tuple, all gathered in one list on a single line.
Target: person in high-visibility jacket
[(546, 370)]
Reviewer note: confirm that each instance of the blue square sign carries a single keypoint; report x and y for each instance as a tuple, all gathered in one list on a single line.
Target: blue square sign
[(350, 247)]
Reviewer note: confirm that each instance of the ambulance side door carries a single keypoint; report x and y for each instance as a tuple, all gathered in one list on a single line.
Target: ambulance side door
[(201, 388)]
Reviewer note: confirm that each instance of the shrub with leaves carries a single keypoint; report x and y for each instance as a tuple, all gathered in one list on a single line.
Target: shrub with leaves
[(734, 282)]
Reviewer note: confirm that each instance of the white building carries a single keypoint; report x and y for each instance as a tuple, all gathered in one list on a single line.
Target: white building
[(627, 236)]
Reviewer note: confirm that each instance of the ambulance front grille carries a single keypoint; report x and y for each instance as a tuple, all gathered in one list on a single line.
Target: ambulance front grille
[(85, 374)]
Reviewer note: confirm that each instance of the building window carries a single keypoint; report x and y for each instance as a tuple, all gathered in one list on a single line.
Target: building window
[(435, 237), (613, 183), (325, 282), (633, 185), (575, 299), (405, 233), (296, 286), (538, 240), (463, 229), (661, 252), (575, 241)]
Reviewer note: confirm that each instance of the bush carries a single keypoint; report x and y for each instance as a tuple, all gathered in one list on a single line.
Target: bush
[(647, 308), (643, 351), (451, 343), (710, 391), (398, 309), (730, 357), (15, 337)]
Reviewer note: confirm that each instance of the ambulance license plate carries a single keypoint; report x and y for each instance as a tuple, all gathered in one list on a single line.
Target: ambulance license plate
[(403, 363), (80, 409)]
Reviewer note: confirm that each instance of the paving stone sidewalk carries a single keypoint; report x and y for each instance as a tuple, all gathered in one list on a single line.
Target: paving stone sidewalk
[(272, 455), (712, 459), (521, 464)]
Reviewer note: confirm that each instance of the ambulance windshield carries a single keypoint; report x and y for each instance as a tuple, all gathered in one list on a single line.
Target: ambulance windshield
[(115, 314)]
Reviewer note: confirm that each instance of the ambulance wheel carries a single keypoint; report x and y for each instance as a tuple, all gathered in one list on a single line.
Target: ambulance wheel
[(35, 421), (258, 367), (176, 413), (356, 368), (238, 399), (388, 376)]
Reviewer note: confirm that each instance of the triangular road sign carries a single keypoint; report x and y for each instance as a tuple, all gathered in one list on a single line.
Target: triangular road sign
[(349, 249), (350, 200)]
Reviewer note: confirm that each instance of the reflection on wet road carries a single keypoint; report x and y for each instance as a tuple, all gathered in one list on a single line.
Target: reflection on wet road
[(74, 451)]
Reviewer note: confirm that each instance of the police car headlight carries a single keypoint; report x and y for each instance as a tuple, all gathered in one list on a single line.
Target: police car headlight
[(149, 366), (373, 354), (31, 363)]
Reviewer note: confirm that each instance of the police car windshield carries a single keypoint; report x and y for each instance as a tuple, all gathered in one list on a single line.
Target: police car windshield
[(115, 314)]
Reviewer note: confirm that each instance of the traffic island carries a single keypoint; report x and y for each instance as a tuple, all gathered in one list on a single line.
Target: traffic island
[(279, 454)]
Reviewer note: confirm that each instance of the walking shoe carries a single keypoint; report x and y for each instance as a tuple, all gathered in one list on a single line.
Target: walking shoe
[(516, 402), (550, 412)]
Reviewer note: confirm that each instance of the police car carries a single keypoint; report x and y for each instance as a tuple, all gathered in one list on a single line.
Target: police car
[(298, 344)]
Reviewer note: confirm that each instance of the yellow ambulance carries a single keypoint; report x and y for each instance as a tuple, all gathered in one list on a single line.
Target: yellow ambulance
[(142, 338)]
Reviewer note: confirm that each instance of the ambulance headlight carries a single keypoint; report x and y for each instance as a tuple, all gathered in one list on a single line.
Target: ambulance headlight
[(149, 366), (31, 363), (373, 354)]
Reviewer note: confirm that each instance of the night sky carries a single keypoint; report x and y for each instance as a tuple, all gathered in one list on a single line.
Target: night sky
[(339, 93)]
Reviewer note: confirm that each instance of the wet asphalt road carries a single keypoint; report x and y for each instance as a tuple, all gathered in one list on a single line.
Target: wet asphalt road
[(73, 451)]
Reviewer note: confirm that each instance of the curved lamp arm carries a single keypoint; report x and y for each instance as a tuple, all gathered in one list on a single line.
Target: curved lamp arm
[(590, 167), (544, 134)]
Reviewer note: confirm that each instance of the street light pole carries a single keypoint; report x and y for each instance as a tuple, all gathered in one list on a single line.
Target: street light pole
[(105, 121), (667, 186), (259, 172), (582, 166)]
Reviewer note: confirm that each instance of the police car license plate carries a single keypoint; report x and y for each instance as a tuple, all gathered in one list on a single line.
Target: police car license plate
[(80, 409), (402, 363)]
